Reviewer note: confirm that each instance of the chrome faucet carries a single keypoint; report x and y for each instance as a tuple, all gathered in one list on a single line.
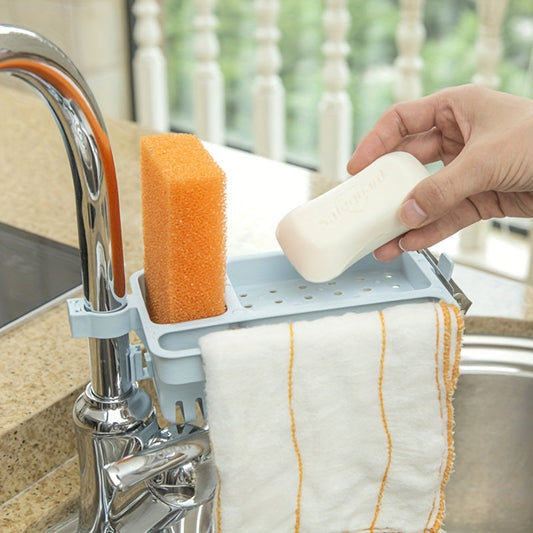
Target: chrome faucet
[(135, 476)]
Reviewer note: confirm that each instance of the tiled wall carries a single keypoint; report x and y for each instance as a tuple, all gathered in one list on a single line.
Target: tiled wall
[(94, 33)]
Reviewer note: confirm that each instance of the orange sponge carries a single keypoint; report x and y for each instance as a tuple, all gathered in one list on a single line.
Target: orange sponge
[(184, 227)]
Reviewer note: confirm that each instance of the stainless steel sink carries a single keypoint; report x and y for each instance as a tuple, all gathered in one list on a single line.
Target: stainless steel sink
[(491, 488), (35, 273)]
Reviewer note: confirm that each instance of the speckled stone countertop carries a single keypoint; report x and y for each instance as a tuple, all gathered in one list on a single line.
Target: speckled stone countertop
[(44, 369)]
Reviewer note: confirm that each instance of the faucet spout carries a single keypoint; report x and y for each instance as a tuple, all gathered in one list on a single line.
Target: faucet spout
[(165, 475), (30, 57), (113, 415)]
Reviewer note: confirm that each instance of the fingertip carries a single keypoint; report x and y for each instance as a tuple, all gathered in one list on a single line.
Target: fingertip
[(351, 167), (357, 163), (366, 152), (403, 246), (411, 214), (389, 251)]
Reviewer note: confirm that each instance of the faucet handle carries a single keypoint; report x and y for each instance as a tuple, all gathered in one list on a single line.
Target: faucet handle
[(176, 464)]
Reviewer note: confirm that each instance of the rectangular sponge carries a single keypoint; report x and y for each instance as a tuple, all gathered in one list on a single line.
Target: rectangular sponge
[(184, 228)]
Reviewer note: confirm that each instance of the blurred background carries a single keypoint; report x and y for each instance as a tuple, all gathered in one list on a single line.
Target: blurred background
[(448, 56), (366, 50)]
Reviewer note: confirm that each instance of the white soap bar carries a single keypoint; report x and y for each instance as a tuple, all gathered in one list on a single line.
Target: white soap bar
[(325, 236)]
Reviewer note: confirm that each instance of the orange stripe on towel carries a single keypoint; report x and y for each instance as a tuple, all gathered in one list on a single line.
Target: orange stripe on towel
[(293, 431), (218, 509), (439, 395), (450, 386), (58, 79), (460, 329), (437, 350), (384, 420)]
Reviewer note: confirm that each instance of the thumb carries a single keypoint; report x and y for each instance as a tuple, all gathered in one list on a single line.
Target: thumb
[(439, 193)]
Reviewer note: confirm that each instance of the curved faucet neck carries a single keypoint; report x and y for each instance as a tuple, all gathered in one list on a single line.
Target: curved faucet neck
[(32, 58)]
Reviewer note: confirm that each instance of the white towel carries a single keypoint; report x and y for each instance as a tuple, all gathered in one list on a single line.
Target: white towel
[(341, 424)]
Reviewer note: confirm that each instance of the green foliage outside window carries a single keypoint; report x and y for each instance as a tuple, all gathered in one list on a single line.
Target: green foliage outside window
[(448, 54)]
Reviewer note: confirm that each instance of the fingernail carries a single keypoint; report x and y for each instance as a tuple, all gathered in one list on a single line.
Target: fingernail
[(400, 244), (411, 214)]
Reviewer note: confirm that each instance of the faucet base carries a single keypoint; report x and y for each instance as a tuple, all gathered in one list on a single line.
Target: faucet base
[(113, 418), (108, 430)]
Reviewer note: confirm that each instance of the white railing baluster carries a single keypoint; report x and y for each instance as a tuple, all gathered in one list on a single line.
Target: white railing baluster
[(489, 53), (410, 36), (209, 116), (268, 91), (489, 46), (335, 107), (149, 67), (529, 278)]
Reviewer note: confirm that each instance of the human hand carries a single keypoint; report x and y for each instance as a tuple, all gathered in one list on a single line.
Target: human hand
[(485, 140)]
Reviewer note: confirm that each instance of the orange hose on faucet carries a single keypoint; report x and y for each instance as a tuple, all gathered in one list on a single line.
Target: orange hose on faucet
[(55, 78)]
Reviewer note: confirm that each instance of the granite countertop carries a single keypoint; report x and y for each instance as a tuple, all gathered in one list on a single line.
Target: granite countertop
[(44, 369)]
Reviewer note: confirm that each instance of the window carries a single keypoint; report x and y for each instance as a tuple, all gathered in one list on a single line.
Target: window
[(448, 53)]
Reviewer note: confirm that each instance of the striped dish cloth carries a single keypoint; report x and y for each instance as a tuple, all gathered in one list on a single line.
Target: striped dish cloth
[(340, 424)]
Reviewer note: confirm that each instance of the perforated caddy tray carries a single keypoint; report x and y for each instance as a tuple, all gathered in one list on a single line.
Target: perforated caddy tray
[(260, 289)]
